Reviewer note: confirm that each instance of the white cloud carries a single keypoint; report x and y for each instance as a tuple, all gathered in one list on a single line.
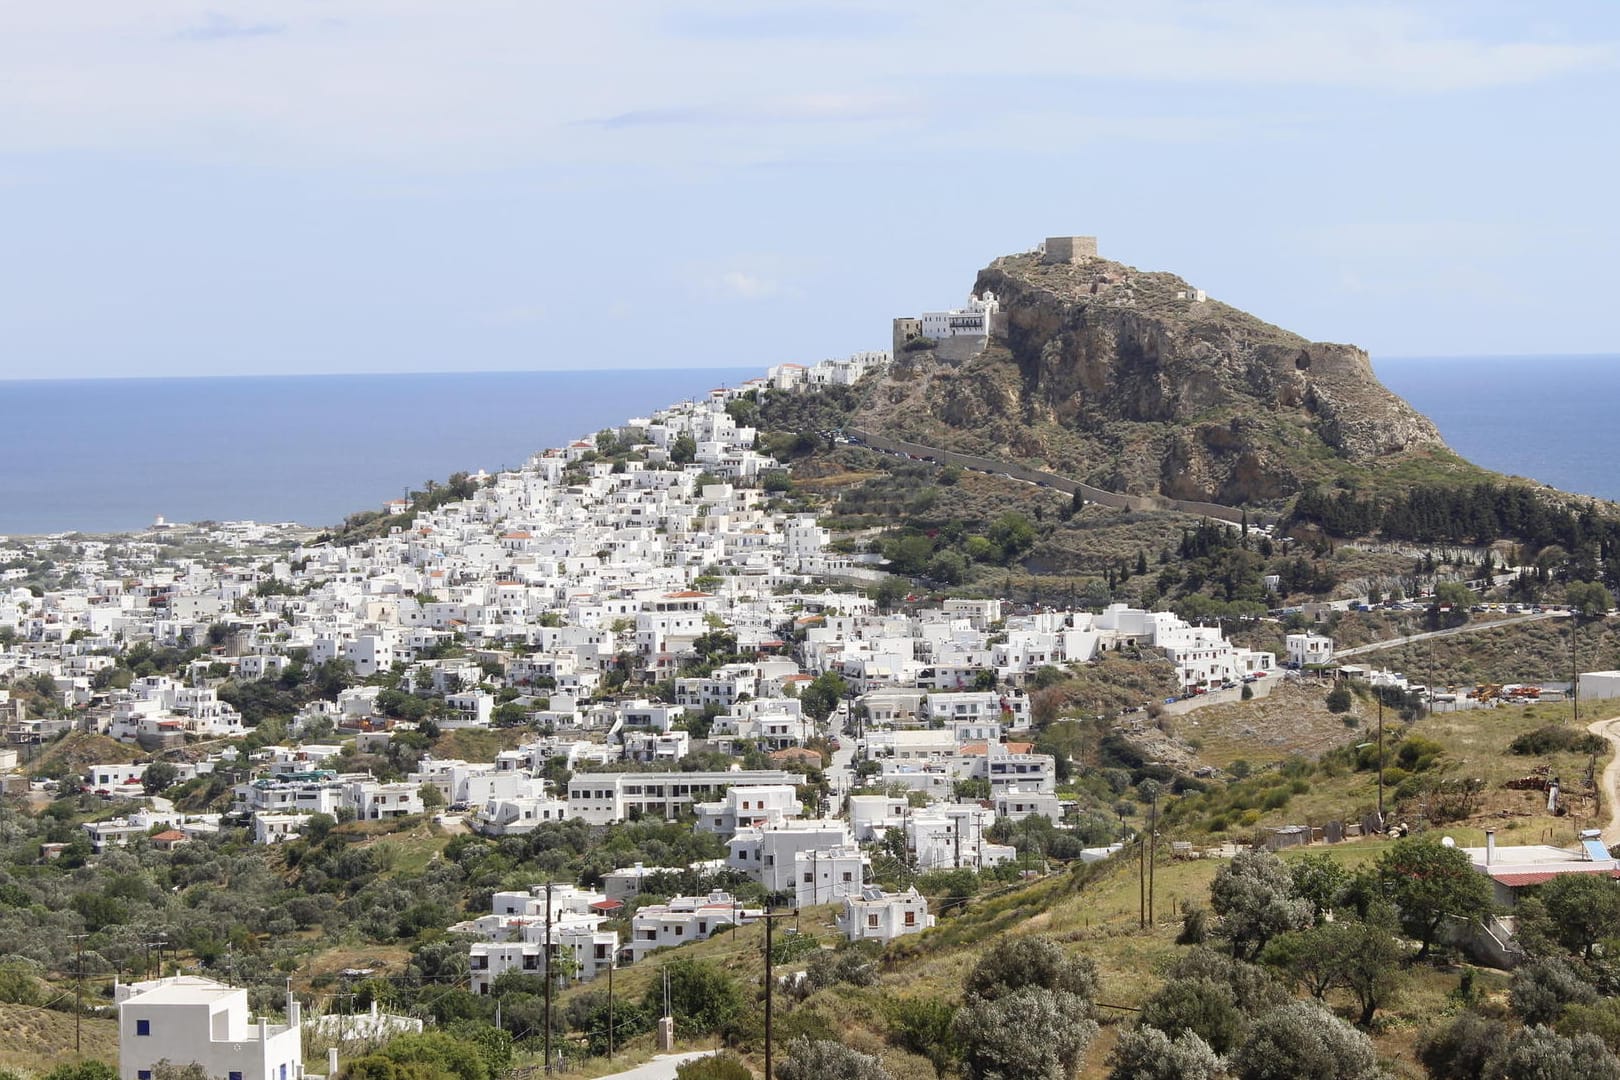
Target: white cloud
[(747, 286), (747, 277), (488, 82)]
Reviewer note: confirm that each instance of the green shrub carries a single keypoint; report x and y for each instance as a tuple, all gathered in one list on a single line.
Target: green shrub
[(1553, 739), (1204, 1007), (722, 1066)]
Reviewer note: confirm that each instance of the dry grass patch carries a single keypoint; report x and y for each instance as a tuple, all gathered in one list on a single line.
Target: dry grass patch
[(34, 1040)]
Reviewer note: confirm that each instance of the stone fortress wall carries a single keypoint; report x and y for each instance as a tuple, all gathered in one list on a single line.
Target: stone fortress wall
[(1068, 249)]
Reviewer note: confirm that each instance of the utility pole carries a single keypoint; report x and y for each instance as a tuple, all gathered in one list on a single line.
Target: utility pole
[(1574, 664), (548, 976), (78, 987), (1380, 698), (1153, 852), (1141, 883), (770, 982), (770, 976), (613, 962)]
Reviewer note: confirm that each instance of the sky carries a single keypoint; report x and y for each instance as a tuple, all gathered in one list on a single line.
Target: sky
[(308, 186)]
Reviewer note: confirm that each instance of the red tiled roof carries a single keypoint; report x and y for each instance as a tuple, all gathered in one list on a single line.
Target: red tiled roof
[(973, 749), (1541, 877)]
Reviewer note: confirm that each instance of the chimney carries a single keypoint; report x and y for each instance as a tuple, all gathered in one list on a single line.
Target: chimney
[(295, 1011), (1490, 846), (264, 1031)]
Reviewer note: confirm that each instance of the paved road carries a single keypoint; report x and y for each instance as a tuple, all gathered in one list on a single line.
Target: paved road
[(841, 772), (1261, 687), (1466, 628), (1611, 776), (661, 1067)]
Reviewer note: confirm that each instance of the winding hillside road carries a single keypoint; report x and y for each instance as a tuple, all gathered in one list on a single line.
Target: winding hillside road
[(1465, 628), (1611, 776)]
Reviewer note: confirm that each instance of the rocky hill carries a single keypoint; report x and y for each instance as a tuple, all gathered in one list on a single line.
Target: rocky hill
[(1128, 380)]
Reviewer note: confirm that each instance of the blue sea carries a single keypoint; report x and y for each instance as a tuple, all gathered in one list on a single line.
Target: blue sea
[(1548, 418), (109, 455)]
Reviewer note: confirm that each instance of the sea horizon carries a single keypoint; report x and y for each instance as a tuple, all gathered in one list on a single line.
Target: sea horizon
[(1377, 358), (226, 376), (111, 454), (108, 455)]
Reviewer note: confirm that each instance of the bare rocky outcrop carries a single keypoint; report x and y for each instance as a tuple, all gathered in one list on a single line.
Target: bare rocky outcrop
[(1127, 380)]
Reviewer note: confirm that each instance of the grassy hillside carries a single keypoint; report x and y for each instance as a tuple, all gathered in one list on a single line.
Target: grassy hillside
[(36, 1040), (1096, 910)]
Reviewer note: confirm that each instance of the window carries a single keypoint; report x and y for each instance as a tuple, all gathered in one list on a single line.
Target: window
[(143, 1027), (807, 878), (872, 920), (234, 1075), (911, 918), (143, 1074)]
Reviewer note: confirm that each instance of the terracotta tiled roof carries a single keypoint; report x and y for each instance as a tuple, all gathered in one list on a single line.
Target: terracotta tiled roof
[(1541, 877)]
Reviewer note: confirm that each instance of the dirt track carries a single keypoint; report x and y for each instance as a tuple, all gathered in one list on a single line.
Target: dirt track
[(1611, 777)]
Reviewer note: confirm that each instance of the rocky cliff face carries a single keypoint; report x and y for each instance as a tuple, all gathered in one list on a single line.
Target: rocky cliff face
[(1125, 379)]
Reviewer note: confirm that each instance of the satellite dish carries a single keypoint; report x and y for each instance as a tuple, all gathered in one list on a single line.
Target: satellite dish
[(1446, 841)]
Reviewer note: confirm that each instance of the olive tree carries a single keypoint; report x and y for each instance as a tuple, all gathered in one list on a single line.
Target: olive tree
[(823, 1059), (1028, 1034), (1302, 1041), (1032, 960), (1360, 955), (1540, 990), (1429, 881), (1254, 897), (1027, 1015), (1460, 1050), (1146, 1053), (1319, 879), (1534, 1053), (1582, 909), (1201, 1006)]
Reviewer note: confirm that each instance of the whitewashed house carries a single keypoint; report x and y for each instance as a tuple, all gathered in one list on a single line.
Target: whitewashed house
[(683, 920), (827, 875), (190, 1019), (874, 915), (1304, 649)]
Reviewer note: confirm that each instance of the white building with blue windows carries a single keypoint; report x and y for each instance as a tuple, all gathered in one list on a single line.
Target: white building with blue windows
[(186, 1018)]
